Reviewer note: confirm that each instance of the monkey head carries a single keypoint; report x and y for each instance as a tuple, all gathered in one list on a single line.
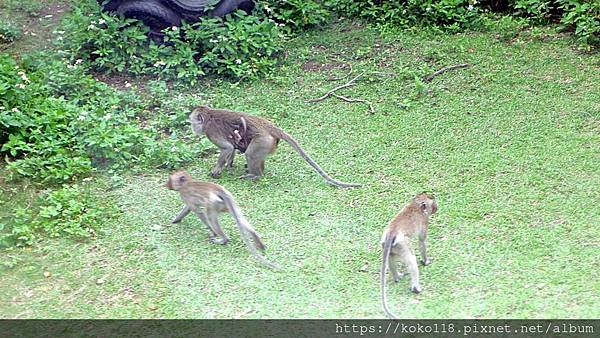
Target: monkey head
[(427, 203), (197, 119), (178, 179)]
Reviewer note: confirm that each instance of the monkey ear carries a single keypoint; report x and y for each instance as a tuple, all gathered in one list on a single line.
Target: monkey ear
[(181, 179), (423, 206)]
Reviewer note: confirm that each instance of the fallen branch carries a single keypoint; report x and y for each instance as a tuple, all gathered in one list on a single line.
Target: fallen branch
[(349, 100), (445, 69), (347, 84)]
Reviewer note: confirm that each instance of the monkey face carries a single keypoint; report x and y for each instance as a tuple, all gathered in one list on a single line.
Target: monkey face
[(178, 179), (427, 203), (197, 121), (434, 206)]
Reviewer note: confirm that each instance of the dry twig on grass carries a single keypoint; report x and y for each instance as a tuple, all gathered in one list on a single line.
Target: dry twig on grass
[(349, 100), (347, 84), (445, 69)]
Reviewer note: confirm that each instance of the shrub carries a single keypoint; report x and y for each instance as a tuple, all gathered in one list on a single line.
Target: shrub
[(295, 14), (238, 46), (538, 10), (447, 14), (58, 124), (584, 17), (71, 211), (8, 33)]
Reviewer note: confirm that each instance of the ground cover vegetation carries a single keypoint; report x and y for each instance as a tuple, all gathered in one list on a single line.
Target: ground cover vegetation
[(93, 117)]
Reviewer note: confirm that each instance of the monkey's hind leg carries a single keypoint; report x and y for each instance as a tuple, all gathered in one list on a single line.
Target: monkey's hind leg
[(393, 265), (222, 239), (256, 153), (410, 260), (212, 235)]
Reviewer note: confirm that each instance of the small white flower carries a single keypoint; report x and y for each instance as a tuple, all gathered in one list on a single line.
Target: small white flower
[(2, 108), (107, 117), (470, 7), (81, 118), (101, 22), (268, 9), (213, 41), (159, 63), (60, 32), (173, 149), (428, 9), (70, 66), (15, 110), (59, 38), (127, 85), (78, 61), (91, 27), (20, 86), (174, 28), (238, 61)]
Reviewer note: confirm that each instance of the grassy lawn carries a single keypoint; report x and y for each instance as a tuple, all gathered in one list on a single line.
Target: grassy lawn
[(510, 146)]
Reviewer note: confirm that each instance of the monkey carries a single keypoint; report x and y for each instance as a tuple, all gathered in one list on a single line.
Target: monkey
[(208, 200), (253, 136), (412, 219)]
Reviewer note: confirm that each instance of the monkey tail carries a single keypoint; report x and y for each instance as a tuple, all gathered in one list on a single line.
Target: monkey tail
[(387, 248), (289, 139), (246, 230)]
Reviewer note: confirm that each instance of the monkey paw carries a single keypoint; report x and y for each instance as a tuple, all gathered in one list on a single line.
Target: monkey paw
[(220, 241), (415, 289), (426, 262), (215, 174), (397, 278), (249, 177)]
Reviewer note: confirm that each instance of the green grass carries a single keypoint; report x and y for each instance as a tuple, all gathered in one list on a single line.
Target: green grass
[(510, 146), (34, 21)]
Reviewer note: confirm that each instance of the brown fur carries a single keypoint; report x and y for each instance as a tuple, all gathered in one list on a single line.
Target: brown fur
[(252, 135), (412, 219), (208, 200)]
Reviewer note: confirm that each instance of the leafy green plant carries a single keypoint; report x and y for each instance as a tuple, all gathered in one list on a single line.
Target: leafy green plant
[(538, 10), (8, 32), (238, 46), (450, 15), (71, 211), (57, 124), (584, 16), (295, 14)]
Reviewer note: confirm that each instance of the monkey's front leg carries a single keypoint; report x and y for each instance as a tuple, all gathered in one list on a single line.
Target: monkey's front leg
[(225, 157), (423, 249), (184, 212)]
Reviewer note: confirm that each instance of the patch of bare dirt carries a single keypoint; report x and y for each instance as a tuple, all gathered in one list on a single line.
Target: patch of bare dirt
[(37, 28), (122, 81), (313, 66)]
